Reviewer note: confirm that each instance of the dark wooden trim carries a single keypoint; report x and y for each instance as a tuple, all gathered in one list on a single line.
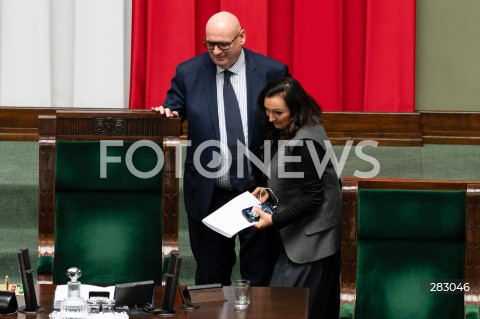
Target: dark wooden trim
[(451, 128), (415, 184), (122, 124), (393, 129), (349, 242), (472, 244), (21, 123), (171, 196), (114, 124), (46, 186), (388, 129)]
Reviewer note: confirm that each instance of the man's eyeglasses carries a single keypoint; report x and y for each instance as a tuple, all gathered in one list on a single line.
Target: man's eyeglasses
[(222, 45)]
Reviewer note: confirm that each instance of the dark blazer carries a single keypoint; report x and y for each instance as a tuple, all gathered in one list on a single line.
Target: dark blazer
[(193, 93), (317, 234)]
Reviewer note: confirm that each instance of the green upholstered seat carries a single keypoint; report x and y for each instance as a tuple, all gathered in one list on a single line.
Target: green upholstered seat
[(407, 239), (18, 205), (111, 227)]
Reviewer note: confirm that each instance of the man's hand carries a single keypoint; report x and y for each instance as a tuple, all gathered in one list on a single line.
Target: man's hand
[(165, 111)]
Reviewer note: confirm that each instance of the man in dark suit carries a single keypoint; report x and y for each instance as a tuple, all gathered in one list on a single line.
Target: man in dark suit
[(197, 93)]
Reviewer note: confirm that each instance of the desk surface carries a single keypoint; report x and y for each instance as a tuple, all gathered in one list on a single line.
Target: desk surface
[(266, 303)]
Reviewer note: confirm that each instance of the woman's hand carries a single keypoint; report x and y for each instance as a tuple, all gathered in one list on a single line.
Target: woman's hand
[(261, 193), (265, 219)]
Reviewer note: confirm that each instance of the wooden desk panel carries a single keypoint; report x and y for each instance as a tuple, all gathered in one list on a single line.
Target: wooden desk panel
[(266, 303)]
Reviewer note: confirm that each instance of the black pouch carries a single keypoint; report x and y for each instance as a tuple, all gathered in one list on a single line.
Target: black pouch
[(8, 303)]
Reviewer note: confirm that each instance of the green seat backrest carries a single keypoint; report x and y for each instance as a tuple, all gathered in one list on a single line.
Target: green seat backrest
[(406, 240), (109, 227)]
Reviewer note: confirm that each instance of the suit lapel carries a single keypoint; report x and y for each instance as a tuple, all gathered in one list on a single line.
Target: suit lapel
[(210, 88), (253, 89)]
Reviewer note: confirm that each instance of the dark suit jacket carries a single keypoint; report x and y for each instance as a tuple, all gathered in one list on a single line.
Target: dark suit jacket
[(193, 93), (316, 234)]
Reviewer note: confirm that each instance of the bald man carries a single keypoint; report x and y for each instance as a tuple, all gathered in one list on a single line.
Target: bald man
[(197, 94)]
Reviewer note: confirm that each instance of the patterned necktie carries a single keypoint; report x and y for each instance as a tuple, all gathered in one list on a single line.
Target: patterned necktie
[(234, 132)]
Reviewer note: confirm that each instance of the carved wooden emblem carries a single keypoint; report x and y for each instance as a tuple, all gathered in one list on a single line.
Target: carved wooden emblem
[(109, 126)]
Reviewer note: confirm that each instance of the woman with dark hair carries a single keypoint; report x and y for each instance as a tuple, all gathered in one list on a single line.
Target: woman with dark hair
[(309, 197)]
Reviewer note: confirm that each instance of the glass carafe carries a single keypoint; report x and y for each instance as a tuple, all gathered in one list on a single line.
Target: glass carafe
[(74, 306)]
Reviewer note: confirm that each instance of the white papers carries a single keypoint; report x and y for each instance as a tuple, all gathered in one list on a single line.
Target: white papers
[(101, 315), (228, 219)]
